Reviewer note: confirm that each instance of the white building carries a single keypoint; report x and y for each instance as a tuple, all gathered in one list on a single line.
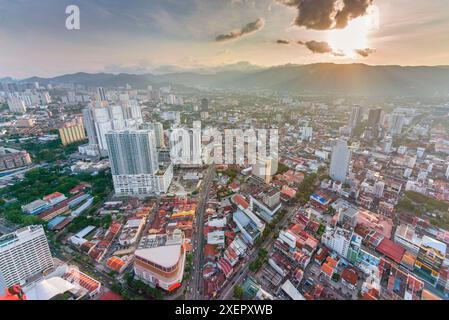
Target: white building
[(341, 157), (159, 260), (356, 117), (23, 254), (185, 145), (16, 104), (338, 240), (134, 163), (378, 189), (99, 119)]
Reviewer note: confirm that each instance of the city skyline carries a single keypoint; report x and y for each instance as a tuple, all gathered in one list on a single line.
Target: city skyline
[(170, 36)]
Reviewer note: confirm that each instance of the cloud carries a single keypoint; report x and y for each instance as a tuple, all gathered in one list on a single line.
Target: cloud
[(315, 46), (284, 41), (327, 14), (247, 29), (318, 46), (365, 52)]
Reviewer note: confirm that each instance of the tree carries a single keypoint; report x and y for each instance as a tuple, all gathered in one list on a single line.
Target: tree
[(238, 292)]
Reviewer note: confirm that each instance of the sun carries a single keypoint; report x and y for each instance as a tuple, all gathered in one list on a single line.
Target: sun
[(355, 35)]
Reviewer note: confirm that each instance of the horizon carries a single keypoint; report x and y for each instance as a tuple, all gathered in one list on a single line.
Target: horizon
[(164, 37), (212, 71)]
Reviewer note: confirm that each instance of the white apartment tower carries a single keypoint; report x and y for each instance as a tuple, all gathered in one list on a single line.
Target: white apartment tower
[(23, 254), (134, 163), (356, 117), (341, 157), (185, 145), (16, 104), (99, 119)]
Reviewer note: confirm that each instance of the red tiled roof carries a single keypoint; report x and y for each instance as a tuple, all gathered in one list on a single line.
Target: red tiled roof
[(350, 276), (391, 250), (115, 263), (240, 201), (111, 296), (53, 195), (210, 250), (327, 269)]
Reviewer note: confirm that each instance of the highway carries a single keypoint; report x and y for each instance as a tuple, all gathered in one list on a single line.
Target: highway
[(195, 285)]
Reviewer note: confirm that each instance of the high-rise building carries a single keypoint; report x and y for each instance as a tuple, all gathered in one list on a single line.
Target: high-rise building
[(265, 168), (204, 104), (158, 129), (185, 145), (100, 118), (378, 189), (387, 144), (356, 117), (101, 94), (134, 163), (341, 157), (72, 133), (23, 254), (396, 123), (374, 117), (16, 104)]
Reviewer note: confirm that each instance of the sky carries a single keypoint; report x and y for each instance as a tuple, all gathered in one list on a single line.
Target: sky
[(158, 36)]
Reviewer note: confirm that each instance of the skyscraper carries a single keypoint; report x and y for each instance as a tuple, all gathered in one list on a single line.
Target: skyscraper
[(134, 163), (374, 117), (356, 117), (396, 123), (16, 104), (99, 118), (204, 104), (185, 145), (23, 254), (158, 129), (341, 157), (101, 94)]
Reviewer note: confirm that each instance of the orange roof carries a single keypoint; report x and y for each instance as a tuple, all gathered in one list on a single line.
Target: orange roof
[(115, 263), (187, 246), (240, 201), (331, 261), (53, 195), (427, 295), (370, 294), (327, 269), (289, 192)]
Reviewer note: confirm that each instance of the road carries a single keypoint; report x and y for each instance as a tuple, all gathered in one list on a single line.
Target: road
[(195, 285), (239, 274)]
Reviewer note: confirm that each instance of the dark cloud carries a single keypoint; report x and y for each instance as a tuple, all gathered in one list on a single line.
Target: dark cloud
[(365, 52), (318, 46), (249, 28), (314, 46), (327, 14)]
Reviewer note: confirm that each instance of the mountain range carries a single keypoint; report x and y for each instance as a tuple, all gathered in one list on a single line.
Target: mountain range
[(316, 79)]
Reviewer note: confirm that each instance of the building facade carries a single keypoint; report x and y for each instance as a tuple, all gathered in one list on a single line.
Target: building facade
[(23, 254)]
